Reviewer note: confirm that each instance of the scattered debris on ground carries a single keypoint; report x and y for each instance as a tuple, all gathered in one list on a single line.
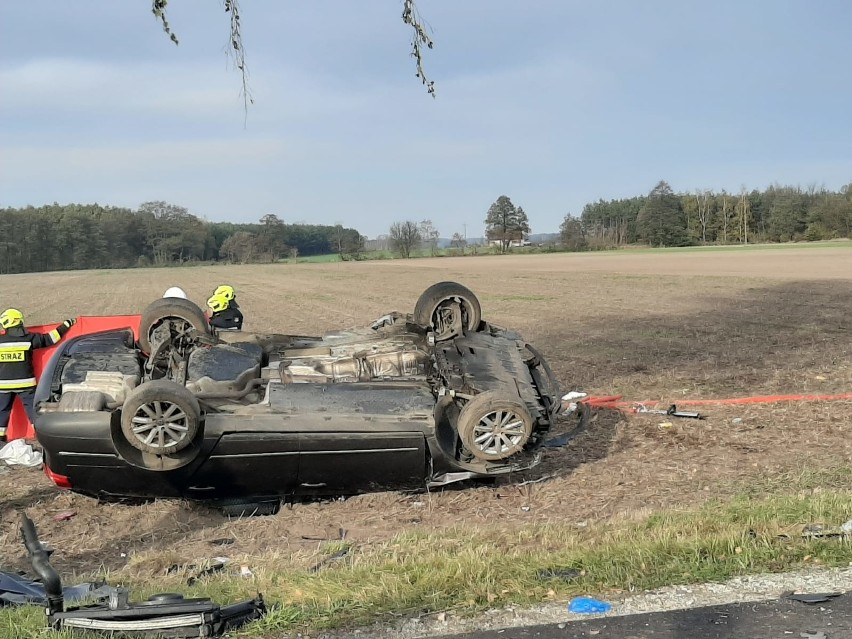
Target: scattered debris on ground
[(222, 541), (65, 516), (340, 554), (18, 590), (814, 598), (165, 614), (19, 453), (822, 531), (588, 606)]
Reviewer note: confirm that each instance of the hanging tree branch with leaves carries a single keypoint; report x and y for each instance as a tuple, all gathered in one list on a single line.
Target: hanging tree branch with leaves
[(410, 16)]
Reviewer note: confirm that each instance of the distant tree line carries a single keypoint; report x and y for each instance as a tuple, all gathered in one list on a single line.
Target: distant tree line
[(666, 218), (83, 236), (506, 225), (90, 236)]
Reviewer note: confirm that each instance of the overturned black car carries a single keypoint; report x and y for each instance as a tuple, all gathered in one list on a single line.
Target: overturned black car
[(414, 400)]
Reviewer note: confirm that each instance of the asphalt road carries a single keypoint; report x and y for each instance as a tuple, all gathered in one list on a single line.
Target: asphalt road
[(779, 619)]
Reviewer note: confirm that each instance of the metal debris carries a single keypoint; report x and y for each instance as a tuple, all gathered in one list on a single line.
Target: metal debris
[(814, 598), (335, 557)]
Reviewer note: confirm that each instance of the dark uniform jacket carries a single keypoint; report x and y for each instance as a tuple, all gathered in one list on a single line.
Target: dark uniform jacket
[(231, 318), (16, 355)]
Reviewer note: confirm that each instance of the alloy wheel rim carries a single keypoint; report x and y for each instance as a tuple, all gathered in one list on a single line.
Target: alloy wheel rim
[(499, 431), (160, 424)]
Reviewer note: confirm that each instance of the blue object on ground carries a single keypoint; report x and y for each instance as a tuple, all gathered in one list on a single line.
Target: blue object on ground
[(588, 606)]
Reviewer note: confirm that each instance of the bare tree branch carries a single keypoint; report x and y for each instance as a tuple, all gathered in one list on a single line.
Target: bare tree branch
[(236, 52), (411, 17)]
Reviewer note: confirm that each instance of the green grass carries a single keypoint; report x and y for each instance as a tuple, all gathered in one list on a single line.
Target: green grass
[(483, 250), (734, 247), (312, 259), (533, 250), (468, 570)]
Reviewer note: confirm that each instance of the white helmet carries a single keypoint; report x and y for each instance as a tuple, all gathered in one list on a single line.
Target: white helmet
[(175, 291)]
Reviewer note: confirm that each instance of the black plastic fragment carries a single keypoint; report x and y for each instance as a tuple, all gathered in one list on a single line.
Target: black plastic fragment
[(812, 598)]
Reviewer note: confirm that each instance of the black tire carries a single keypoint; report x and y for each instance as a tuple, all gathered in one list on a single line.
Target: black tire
[(170, 307), (438, 306), (160, 417), (489, 414)]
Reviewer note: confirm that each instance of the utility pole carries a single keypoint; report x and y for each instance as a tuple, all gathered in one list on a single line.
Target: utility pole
[(464, 246)]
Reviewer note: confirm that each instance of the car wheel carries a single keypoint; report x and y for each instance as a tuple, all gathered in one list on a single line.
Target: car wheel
[(184, 315), (449, 309), (160, 417), (492, 427)]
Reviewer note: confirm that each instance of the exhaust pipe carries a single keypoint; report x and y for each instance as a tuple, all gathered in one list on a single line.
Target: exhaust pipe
[(237, 394), (40, 559)]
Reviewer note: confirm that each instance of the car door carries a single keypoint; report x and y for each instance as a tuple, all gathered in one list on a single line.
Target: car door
[(357, 437), (348, 462), (247, 463)]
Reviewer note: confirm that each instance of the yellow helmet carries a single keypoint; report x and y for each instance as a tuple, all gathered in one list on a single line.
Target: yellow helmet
[(11, 317), (217, 303), (226, 291)]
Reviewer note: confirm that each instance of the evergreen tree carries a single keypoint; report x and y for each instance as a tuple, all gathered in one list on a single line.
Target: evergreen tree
[(661, 221)]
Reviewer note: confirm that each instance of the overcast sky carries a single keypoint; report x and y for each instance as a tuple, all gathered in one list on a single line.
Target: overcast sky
[(554, 103)]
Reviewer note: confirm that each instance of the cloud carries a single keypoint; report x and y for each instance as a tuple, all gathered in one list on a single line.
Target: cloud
[(177, 91), (476, 115), (81, 85), (311, 149), (555, 104), (100, 164)]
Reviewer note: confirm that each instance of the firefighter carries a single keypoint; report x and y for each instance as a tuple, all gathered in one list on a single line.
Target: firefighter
[(225, 316), (17, 376)]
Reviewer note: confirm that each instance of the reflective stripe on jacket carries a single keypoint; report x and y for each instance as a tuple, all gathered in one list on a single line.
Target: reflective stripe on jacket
[(16, 355)]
